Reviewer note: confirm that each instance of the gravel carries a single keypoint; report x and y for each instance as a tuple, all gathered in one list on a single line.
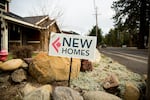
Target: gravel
[(94, 80)]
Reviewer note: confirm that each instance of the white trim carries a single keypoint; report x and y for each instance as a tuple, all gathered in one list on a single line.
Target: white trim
[(29, 24), (41, 20), (51, 24), (56, 24), (22, 22), (33, 41), (2, 4), (2, 10)]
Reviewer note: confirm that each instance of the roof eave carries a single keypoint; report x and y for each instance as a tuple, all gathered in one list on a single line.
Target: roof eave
[(41, 20), (52, 24), (22, 22)]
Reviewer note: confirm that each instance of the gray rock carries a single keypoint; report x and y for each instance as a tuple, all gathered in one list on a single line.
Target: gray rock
[(4, 78), (19, 75), (41, 93), (24, 65), (28, 60), (66, 93), (99, 95), (27, 89)]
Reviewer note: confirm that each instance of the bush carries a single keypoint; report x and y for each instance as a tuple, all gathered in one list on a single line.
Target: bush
[(22, 52)]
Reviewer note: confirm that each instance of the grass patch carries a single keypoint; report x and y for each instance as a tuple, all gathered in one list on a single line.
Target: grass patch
[(10, 56), (96, 65)]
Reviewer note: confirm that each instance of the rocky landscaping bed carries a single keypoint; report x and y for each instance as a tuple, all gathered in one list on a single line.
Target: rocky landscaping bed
[(119, 80), (45, 78)]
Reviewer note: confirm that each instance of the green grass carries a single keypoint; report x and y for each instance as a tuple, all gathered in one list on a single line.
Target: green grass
[(34, 54), (96, 65), (10, 55)]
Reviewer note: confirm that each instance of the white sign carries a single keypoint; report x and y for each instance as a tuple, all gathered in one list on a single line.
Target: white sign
[(75, 46)]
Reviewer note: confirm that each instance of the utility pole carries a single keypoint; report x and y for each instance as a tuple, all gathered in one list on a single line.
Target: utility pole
[(96, 17), (143, 26), (148, 75), (96, 21)]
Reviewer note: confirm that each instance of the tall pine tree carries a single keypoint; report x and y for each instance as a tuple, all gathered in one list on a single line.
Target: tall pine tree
[(133, 15), (92, 32)]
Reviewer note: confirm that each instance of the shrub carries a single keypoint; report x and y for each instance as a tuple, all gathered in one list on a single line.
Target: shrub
[(22, 52)]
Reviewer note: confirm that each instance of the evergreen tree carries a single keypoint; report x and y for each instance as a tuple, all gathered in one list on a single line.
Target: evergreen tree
[(116, 38), (92, 32), (133, 15)]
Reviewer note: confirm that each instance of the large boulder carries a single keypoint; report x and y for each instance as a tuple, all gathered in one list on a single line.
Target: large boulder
[(46, 68), (11, 64), (131, 92), (99, 95), (97, 57), (66, 93)]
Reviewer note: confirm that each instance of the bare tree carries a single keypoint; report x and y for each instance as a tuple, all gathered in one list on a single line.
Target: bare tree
[(48, 7)]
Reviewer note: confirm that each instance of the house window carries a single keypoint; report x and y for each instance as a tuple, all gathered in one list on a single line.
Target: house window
[(14, 34), (2, 2), (33, 36)]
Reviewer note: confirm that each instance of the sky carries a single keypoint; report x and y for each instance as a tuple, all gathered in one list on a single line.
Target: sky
[(71, 15)]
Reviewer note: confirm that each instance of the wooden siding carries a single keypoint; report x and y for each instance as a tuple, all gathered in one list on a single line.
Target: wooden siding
[(45, 36)]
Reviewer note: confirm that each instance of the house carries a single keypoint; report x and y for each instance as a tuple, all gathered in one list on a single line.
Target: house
[(23, 31)]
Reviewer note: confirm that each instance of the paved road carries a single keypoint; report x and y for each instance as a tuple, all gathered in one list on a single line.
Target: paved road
[(134, 59)]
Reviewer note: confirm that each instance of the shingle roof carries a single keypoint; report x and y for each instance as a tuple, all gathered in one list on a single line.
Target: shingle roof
[(45, 21), (34, 19)]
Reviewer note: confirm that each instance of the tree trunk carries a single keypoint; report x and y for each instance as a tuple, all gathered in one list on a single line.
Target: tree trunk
[(142, 32), (148, 75)]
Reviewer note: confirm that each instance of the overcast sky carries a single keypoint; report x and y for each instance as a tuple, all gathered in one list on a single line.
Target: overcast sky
[(77, 15)]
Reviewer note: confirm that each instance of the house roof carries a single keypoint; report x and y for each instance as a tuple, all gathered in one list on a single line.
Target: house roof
[(12, 15), (18, 19), (39, 22), (43, 21), (46, 23), (34, 19)]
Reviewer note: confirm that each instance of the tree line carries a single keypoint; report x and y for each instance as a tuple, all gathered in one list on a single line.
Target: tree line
[(132, 24)]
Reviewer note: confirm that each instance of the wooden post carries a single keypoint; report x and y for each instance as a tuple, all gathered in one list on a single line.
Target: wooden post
[(70, 72), (4, 35)]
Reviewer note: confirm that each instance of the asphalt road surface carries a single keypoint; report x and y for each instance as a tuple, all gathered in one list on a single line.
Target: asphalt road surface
[(134, 59)]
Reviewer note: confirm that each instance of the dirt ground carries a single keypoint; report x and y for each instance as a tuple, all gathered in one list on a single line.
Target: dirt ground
[(10, 90)]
